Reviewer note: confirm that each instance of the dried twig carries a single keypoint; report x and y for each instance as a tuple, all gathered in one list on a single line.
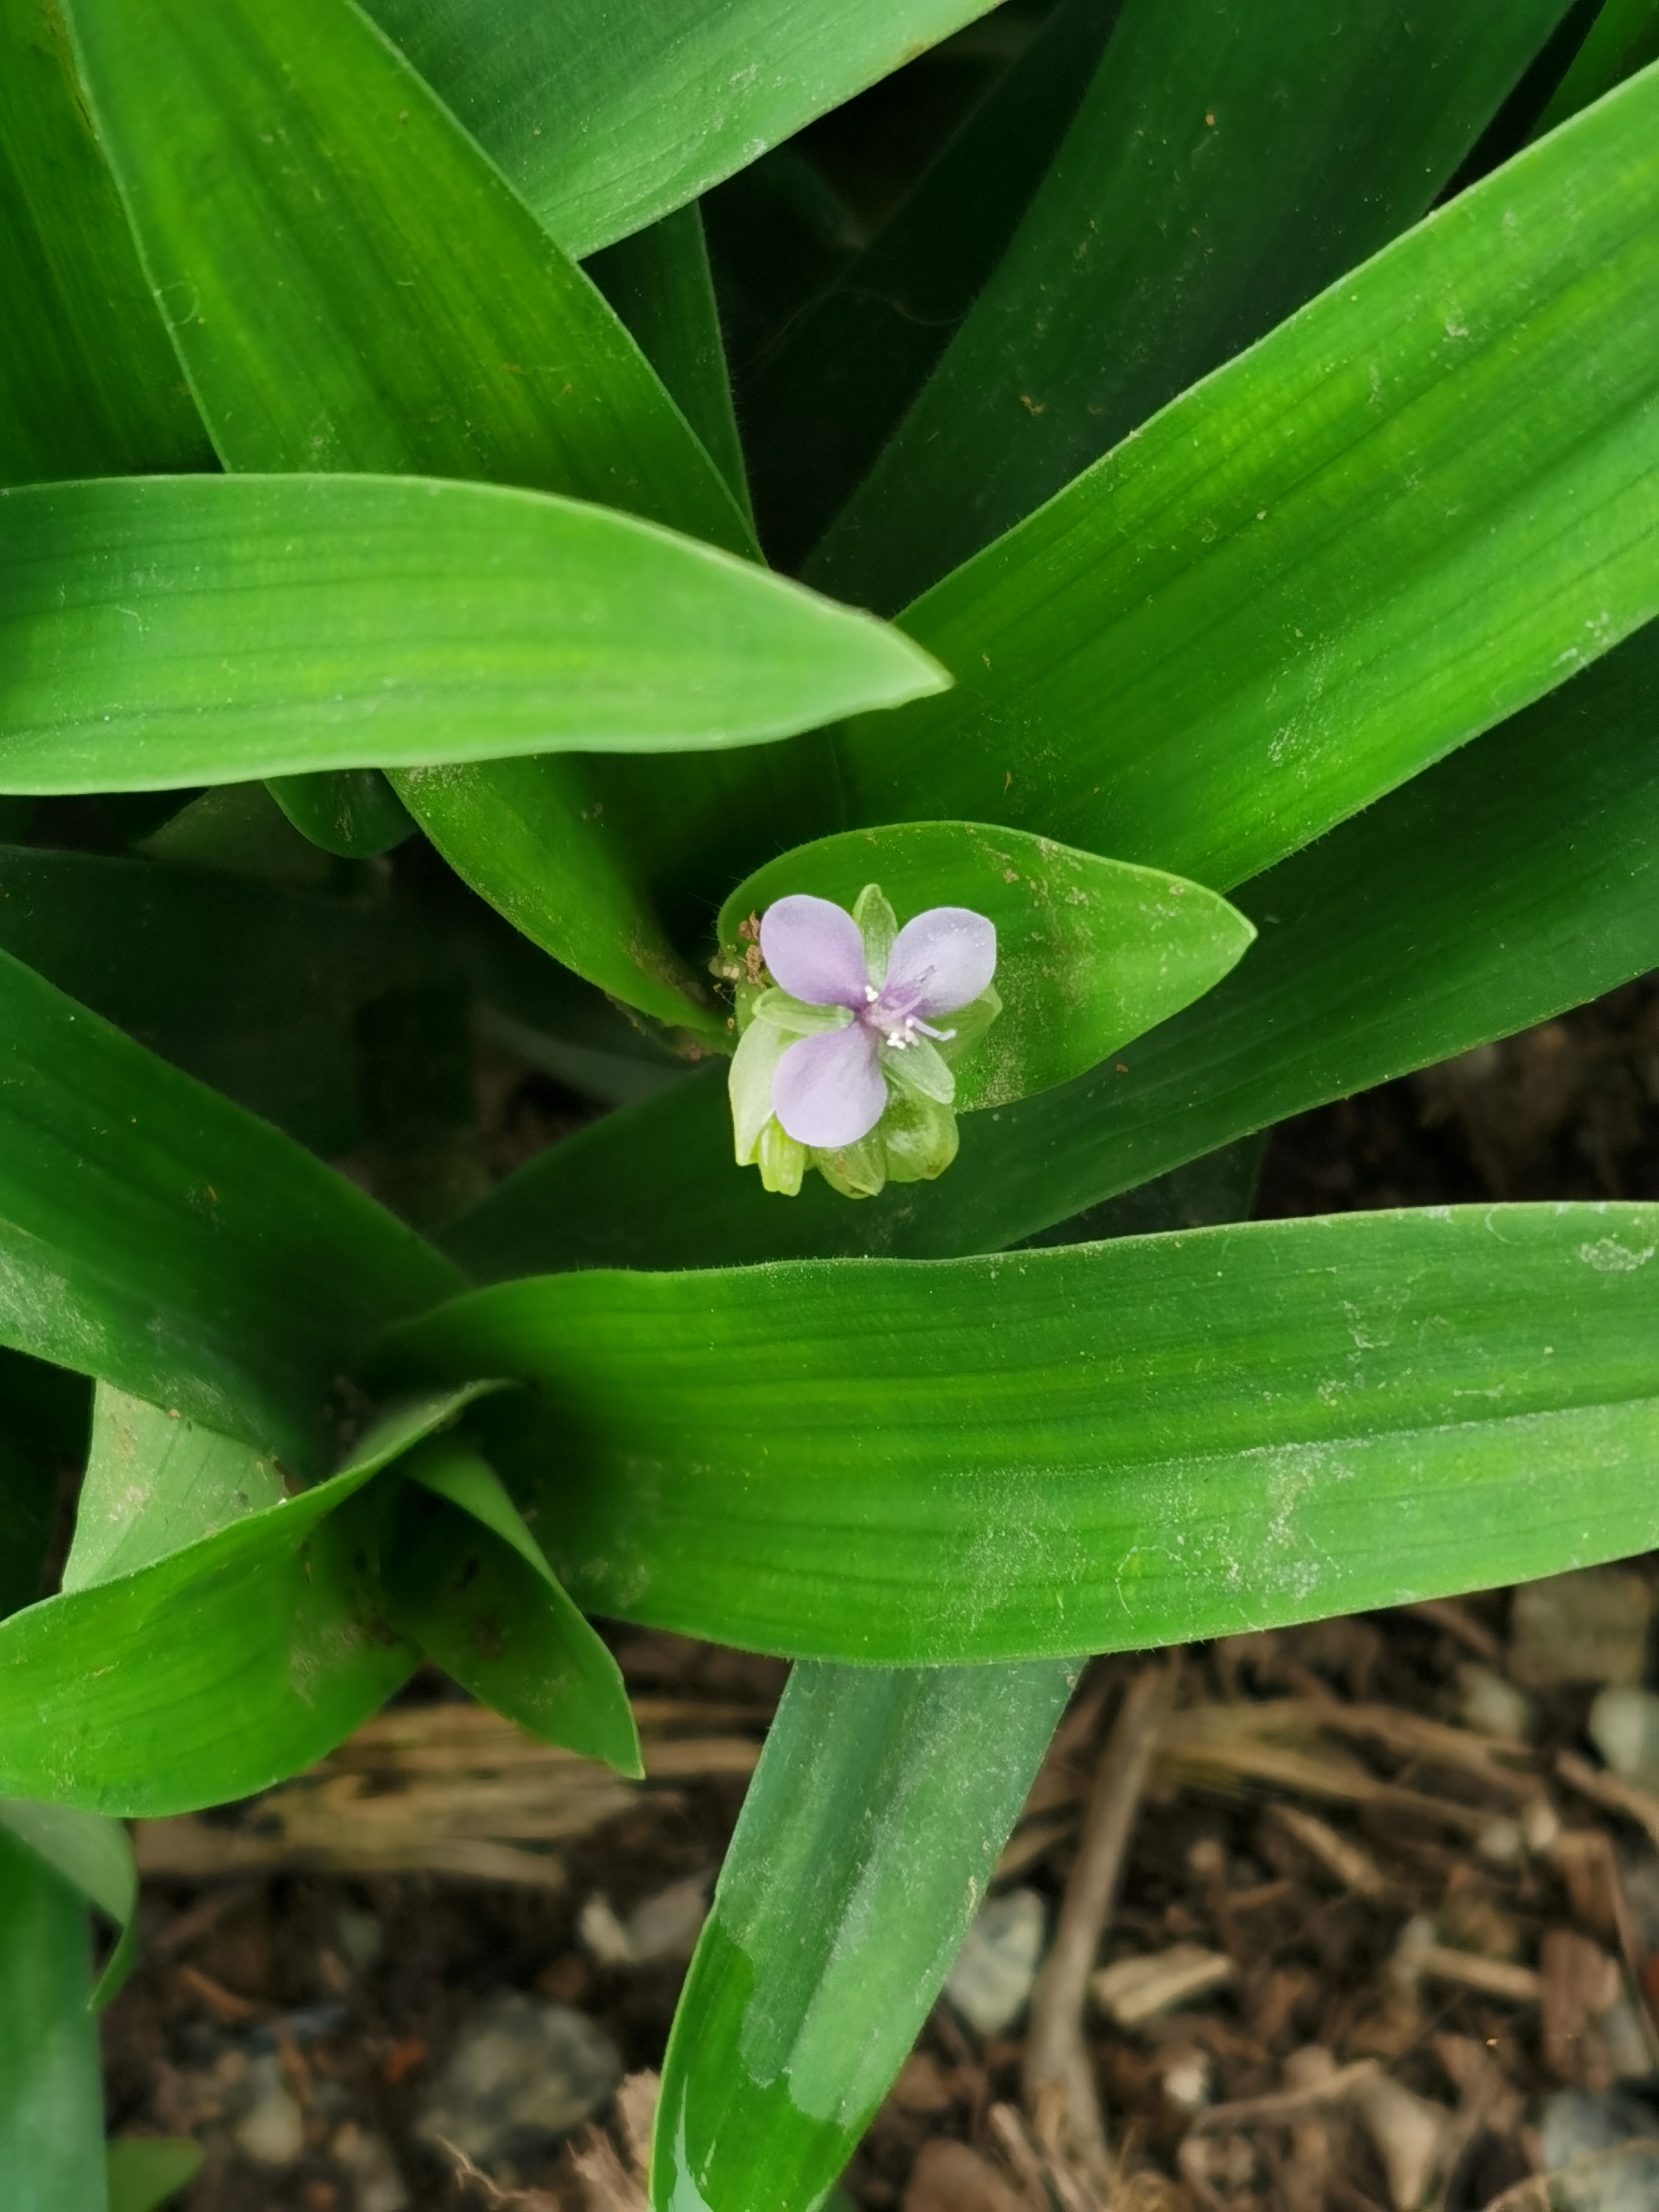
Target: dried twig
[(468, 2176), (1606, 1789), (1059, 2081)]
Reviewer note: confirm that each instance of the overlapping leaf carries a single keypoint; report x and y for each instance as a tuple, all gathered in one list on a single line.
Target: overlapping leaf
[(87, 382), (52, 2096), (1099, 1446), (217, 1669), (1225, 163), (882, 1801), (163, 631), (605, 123), (156, 1235), (1420, 503), (1517, 878), (1090, 953)]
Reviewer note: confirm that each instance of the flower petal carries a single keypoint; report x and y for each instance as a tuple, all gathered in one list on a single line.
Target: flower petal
[(921, 1069), (814, 951), (748, 1084), (828, 1090), (940, 960)]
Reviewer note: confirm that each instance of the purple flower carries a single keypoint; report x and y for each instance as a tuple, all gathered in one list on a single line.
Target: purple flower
[(830, 1090)]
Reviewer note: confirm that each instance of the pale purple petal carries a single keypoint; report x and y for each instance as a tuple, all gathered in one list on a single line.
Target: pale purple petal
[(941, 960), (828, 1090), (814, 951)]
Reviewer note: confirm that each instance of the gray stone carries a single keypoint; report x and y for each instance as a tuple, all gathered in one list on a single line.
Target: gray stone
[(991, 1981), (1597, 2154), (524, 2073)]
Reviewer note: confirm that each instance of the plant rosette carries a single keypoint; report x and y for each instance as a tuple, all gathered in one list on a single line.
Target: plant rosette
[(844, 1062)]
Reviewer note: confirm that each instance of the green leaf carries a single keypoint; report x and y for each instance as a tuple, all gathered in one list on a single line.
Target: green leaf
[(866, 1842), (1517, 878), (353, 812), (1090, 953), (88, 385), (156, 1482), (824, 396), (157, 1236), (251, 986), (95, 1856), (381, 250), (605, 122), (882, 1801), (168, 630), (145, 2171), (1068, 1450), (218, 1668), (1226, 163), (349, 284), (1622, 39), (466, 1580), (1277, 498), (1420, 503), (52, 2098), (659, 282)]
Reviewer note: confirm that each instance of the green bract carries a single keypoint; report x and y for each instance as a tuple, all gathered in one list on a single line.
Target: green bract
[(409, 635)]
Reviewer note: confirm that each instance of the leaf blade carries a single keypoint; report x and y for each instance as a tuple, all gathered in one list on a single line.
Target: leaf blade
[(395, 621), (1296, 518), (1073, 1450)]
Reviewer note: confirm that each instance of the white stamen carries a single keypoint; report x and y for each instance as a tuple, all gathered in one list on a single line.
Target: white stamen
[(871, 994)]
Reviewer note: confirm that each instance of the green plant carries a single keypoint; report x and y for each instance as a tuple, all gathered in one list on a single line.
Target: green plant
[(1269, 567)]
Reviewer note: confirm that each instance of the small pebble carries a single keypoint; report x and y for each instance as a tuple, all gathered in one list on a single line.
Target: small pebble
[(1623, 1726), (272, 2130), (1492, 1706), (1577, 2126), (990, 1984), (524, 2073)]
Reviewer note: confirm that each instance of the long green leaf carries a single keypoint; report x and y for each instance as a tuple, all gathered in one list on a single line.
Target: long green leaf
[(218, 1668), (556, 846), (1090, 953), (1517, 878), (170, 630), (436, 329), (88, 384), (867, 1839), (95, 1856), (1080, 1450), (466, 1580), (1624, 38), (52, 2096), (146, 2172), (658, 280), (156, 1482), (155, 1236), (605, 122), (826, 395), (1226, 164), (1421, 502)]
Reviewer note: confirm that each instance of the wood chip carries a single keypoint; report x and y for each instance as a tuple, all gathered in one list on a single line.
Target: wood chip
[(1341, 1856), (1608, 1790), (949, 2177), (449, 1789), (1135, 1990)]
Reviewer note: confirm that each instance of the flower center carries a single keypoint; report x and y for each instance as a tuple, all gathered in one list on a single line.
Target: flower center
[(897, 1026)]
